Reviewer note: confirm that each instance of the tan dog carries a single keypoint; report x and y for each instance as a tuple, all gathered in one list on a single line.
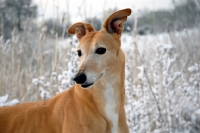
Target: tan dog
[(96, 103)]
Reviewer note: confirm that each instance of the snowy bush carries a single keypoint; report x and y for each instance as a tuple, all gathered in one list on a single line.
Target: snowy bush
[(164, 97), (4, 101)]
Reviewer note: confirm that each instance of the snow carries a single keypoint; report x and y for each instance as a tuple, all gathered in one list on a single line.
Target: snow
[(198, 112), (193, 68), (44, 94), (4, 101), (35, 81)]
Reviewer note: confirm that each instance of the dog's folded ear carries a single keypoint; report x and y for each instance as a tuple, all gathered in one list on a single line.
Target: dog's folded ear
[(114, 23), (80, 29)]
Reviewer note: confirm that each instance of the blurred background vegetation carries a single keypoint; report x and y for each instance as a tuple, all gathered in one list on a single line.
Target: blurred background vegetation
[(14, 14), (18, 14)]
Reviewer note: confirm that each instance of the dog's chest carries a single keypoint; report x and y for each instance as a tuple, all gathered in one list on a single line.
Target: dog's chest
[(110, 108)]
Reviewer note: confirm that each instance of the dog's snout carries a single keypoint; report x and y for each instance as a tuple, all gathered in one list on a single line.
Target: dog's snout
[(80, 78)]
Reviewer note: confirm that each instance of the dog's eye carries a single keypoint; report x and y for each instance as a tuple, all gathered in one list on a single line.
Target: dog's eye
[(100, 51), (79, 53)]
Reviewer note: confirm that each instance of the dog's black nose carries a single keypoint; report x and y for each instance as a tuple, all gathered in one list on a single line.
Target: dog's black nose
[(80, 78)]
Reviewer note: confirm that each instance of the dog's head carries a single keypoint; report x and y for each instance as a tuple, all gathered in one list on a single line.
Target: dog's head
[(98, 50)]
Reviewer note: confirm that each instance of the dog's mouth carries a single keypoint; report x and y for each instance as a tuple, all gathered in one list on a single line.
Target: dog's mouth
[(87, 85)]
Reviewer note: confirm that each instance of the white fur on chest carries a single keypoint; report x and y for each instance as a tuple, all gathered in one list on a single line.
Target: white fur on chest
[(110, 108)]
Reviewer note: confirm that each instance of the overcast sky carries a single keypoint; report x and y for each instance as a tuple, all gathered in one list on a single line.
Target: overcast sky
[(79, 8)]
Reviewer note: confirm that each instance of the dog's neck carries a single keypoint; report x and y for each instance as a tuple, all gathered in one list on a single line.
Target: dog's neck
[(108, 94), (113, 94)]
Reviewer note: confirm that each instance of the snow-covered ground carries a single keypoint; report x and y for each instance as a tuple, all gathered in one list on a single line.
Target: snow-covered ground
[(162, 80)]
